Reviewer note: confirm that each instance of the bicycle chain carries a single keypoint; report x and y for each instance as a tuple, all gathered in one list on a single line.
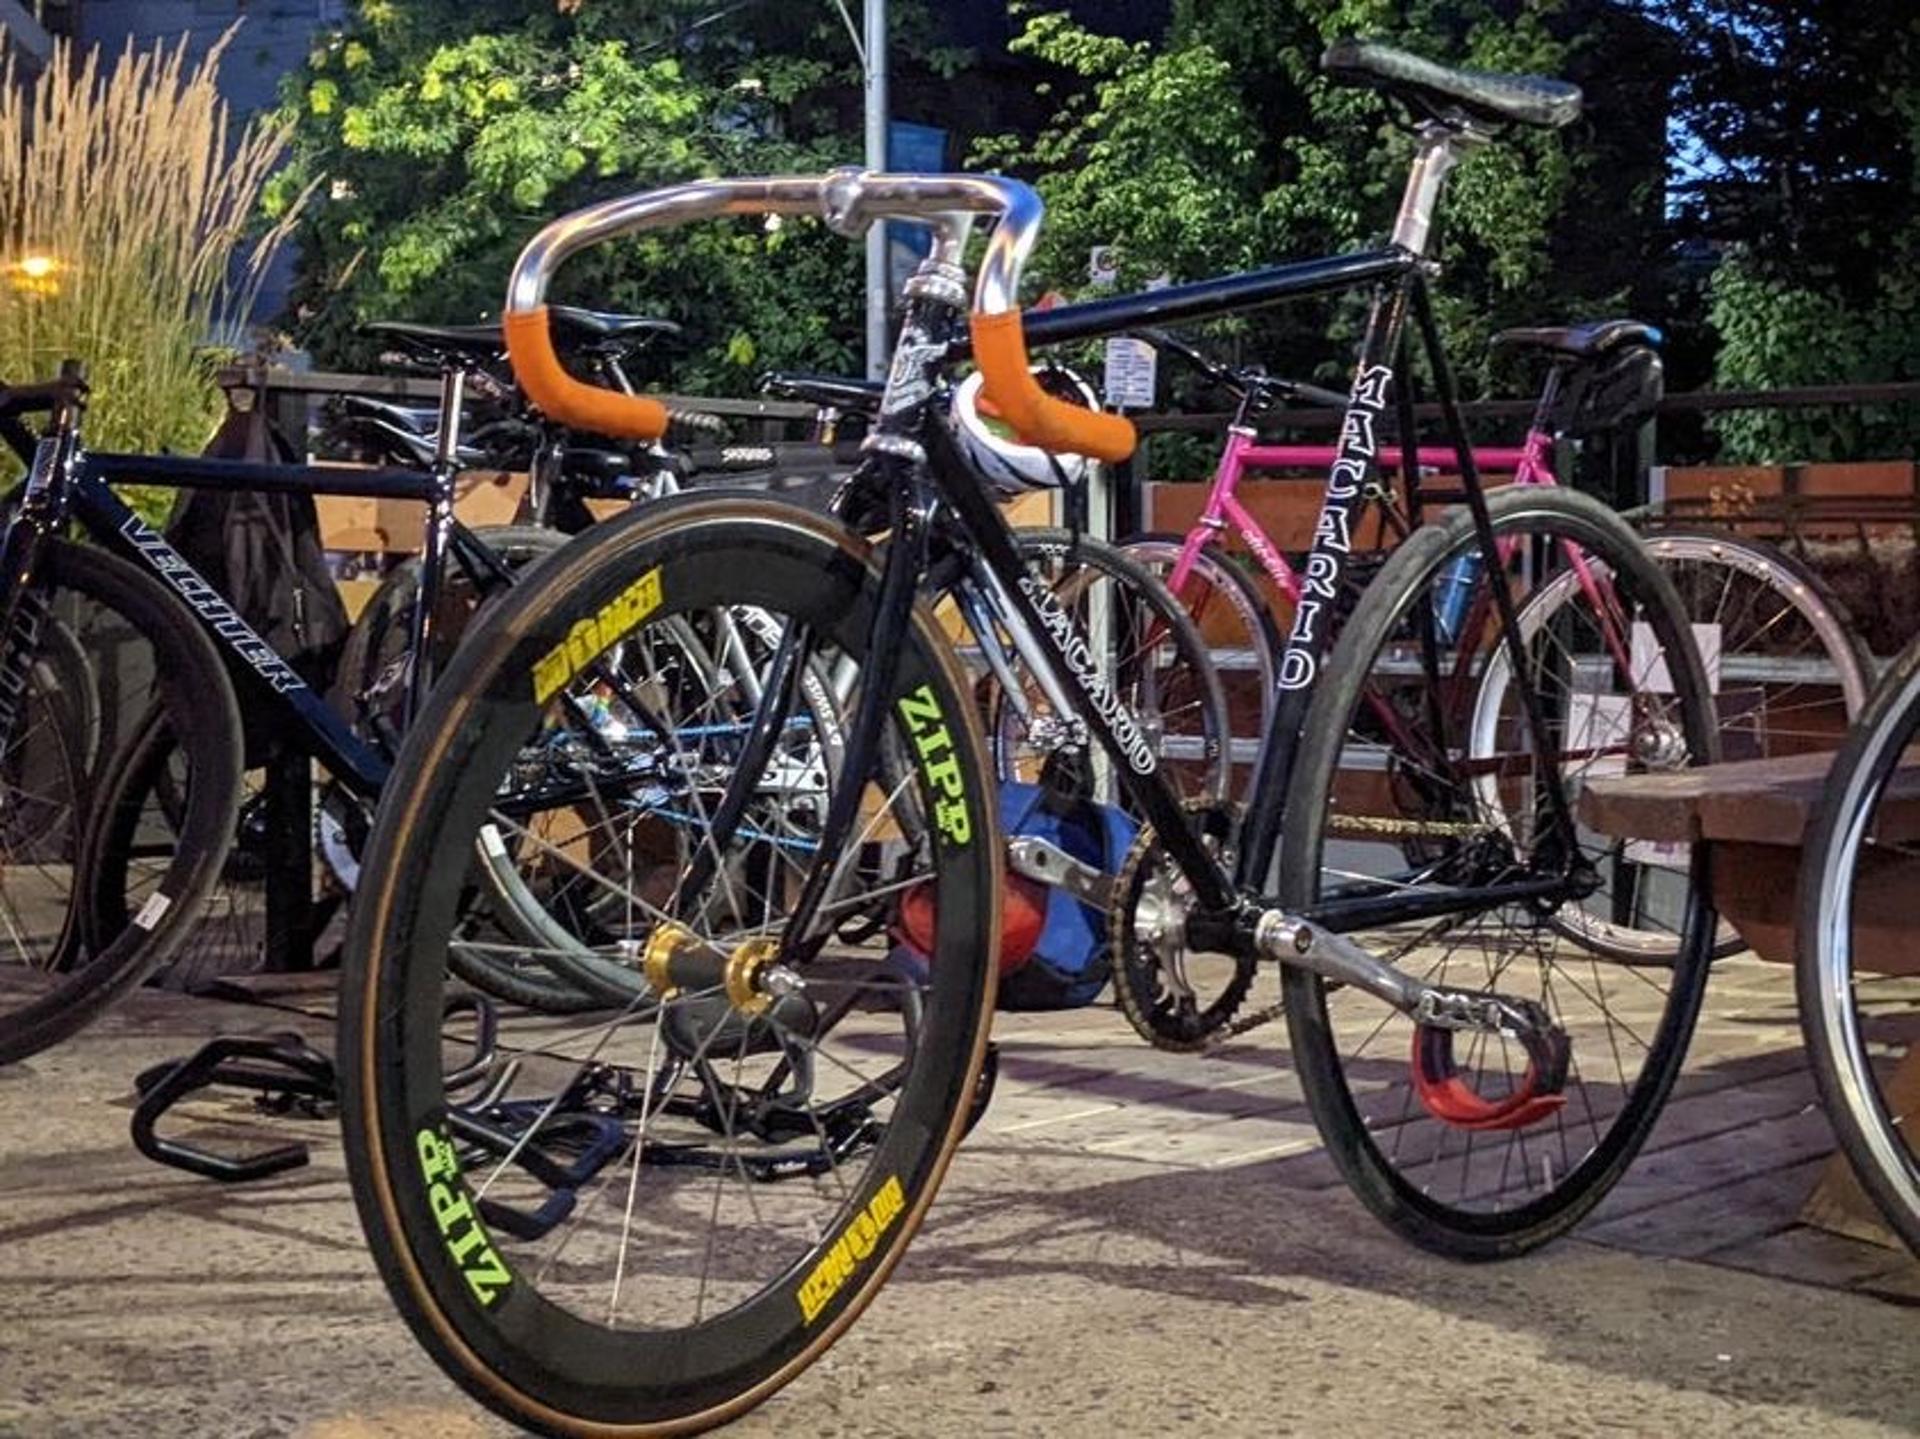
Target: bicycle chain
[(1345, 824)]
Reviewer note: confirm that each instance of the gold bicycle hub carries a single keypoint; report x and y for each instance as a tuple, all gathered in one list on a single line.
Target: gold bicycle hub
[(677, 960)]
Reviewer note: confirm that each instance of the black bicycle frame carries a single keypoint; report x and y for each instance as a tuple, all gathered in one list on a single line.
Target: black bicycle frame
[(1399, 280), (67, 482)]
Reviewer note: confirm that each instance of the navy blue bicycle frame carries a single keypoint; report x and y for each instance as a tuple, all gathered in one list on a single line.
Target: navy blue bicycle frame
[(66, 482)]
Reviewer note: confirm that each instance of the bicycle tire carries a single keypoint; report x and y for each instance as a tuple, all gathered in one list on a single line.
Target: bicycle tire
[(45, 799), (1225, 601), (1196, 693), (69, 673), (1365, 1134), (232, 934), (1877, 1143), (525, 1356), (1815, 629), (194, 694)]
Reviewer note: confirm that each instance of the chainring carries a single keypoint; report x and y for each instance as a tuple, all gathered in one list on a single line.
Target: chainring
[(1146, 926)]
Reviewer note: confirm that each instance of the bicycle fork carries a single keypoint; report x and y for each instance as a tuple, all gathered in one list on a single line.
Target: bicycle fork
[(24, 601)]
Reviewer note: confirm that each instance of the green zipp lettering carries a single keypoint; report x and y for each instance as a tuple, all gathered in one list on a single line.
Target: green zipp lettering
[(939, 763), (460, 1227), (853, 1248), (593, 636)]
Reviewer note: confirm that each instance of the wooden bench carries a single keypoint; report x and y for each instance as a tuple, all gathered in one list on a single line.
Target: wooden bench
[(1756, 814)]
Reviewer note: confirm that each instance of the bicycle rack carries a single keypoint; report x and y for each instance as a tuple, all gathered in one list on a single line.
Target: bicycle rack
[(581, 1130), (285, 1075), (299, 1078)]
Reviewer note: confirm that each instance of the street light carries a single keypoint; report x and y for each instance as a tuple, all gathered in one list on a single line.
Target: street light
[(34, 274), (870, 42), (875, 68)]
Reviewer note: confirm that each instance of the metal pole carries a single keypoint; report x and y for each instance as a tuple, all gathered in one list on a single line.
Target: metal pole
[(876, 105)]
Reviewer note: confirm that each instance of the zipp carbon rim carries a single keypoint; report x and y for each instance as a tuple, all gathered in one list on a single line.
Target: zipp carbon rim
[(527, 1357)]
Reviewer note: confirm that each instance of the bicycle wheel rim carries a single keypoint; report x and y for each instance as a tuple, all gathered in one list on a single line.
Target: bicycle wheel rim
[(524, 1354), (1487, 1194), (153, 660), (1830, 1011)]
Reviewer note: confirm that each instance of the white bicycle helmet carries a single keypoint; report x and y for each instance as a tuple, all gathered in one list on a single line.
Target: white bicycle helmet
[(995, 452)]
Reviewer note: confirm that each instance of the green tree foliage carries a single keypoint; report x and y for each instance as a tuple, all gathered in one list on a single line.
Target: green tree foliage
[(1225, 148), (444, 132), (1797, 135), (1776, 332)]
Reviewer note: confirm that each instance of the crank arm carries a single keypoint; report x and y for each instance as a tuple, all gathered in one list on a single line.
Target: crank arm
[(1046, 863), (1293, 940)]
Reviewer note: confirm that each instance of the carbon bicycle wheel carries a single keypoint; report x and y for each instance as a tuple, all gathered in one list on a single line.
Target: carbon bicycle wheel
[(151, 665), (1473, 1154), (1858, 986), (645, 1219)]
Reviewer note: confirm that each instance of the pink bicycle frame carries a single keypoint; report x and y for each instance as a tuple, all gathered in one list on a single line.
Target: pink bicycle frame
[(1529, 465)]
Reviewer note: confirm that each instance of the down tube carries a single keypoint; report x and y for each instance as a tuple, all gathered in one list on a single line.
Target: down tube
[(1079, 679), (1307, 644)]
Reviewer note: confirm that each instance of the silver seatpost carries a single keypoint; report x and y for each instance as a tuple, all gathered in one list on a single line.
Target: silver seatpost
[(1440, 149)]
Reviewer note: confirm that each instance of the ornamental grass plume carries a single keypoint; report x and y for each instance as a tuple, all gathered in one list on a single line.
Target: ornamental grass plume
[(126, 202)]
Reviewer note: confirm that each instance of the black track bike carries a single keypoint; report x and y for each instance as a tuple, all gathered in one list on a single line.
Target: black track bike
[(776, 1086)]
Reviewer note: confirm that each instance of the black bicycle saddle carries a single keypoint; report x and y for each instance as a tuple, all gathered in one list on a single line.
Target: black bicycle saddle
[(1451, 94)]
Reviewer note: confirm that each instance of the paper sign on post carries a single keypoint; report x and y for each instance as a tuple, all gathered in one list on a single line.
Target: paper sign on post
[(1132, 366)]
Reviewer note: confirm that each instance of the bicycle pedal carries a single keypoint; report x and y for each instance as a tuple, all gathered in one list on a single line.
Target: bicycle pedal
[(1451, 1099)]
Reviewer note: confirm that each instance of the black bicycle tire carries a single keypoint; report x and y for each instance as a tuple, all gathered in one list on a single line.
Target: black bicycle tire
[(47, 718), (195, 688), (1112, 561), (1269, 638), (61, 650), (1401, 583), (378, 994), (1856, 1107)]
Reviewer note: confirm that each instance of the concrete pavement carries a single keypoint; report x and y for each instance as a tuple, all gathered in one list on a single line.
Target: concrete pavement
[(1058, 1290)]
